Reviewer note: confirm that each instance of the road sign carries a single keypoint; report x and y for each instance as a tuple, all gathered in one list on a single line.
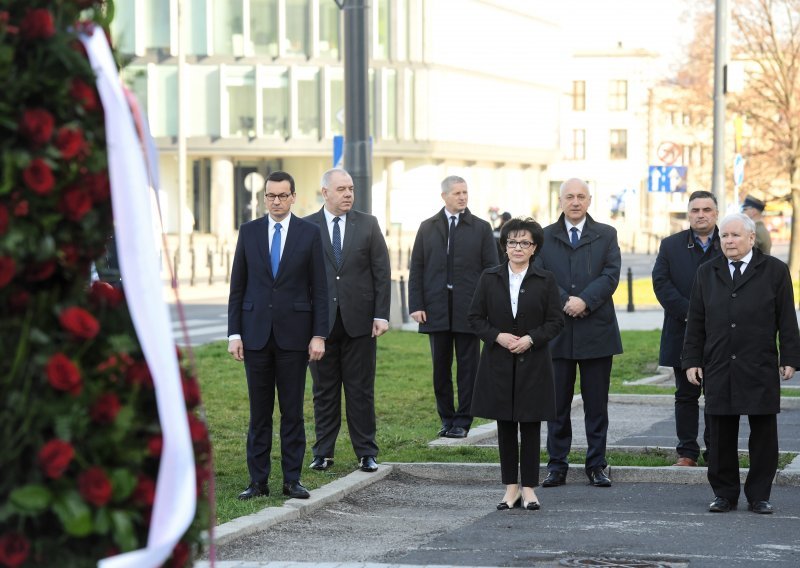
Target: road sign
[(338, 151), (667, 179), (738, 170), (669, 152)]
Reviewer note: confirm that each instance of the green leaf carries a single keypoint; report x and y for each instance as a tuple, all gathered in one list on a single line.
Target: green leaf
[(102, 521), (74, 514), (123, 482), (31, 498), (122, 529), (6, 511)]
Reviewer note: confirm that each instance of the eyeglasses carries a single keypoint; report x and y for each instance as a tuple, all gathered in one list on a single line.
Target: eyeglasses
[(282, 196), (520, 244)]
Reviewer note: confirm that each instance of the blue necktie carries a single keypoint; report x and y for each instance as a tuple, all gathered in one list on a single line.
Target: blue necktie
[(574, 238), (337, 241), (275, 252)]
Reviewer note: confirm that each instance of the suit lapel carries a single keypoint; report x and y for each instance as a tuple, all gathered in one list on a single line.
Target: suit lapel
[(749, 272), (350, 235), (262, 242), (322, 221)]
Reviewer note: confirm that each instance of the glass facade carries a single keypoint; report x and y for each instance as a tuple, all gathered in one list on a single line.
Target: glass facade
[(228, 27), (239, 85), (275, 103), (329, 18), (297, 25), (264, 27), (308, 103)]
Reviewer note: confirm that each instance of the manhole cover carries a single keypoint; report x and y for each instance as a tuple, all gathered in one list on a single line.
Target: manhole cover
[(614, 563)]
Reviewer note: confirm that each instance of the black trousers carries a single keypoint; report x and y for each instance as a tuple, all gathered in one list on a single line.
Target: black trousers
[(723, 468), (349, 363), (268, 369), (519, 454), (595, 381), (687, 416), (467, 349)]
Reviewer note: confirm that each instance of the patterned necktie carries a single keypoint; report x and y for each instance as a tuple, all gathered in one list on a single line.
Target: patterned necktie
[(275, 251), (737, 270), (450, 251), (337, 241), (574, 237)]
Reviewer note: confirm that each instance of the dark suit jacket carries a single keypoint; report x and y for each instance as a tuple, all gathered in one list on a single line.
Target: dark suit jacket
[(673, 274), (361, 287), (474, 249), (508, 386), (591, 272), (296, 303), (731, 334)]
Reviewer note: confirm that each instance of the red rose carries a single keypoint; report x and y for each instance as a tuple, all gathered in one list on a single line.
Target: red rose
[(145, 492), (21, 208), (55, 457), (39, 177), (94, 486), (37, 24), (180, 556), (40, 271), (3, 219), (103, 293), (62, 374), (14, 549), (105, 408), (83, 95), (79, 323), (7, 268), (139, 374), (70, 254), (75, 203), (197, 429), (97, 185), (155, 445), (36, 125), (70, 142), (191, 392)]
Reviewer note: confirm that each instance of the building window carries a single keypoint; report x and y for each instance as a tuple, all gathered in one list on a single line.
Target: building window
[(275, 104), (264, 27), (401, 25), (408, 107), (579, 95), (308, 103), (578, 144), (380, 46), (156, 24), (336, 110), (618, 95), (201, 195), (228, 28), (241, 101), (389, 104), (329, 30), (619, 145), (297, 27)]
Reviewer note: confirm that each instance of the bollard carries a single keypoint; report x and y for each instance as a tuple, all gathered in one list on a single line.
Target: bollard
[(408, 259), (191, 278), (403, 301), (210, 262), (228, 268), (630, 289)]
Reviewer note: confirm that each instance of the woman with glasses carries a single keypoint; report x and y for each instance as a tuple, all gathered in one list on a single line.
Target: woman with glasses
[(515, 311)]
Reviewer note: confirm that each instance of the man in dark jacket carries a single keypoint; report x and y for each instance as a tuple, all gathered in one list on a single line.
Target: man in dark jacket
[(673, 274), (585, 258), (741, 339), (450, 251)]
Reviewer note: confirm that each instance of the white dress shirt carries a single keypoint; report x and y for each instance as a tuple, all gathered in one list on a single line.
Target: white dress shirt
[(745, 259), (579, 226), (514, 284)]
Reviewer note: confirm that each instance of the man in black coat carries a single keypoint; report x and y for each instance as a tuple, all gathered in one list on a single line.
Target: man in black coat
[(673, 274), (450, 251), (585, 258), (359, 287), (741, 339), (277, 322)]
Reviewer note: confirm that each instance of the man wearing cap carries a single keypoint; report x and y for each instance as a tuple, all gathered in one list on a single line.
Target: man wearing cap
[(754, 208)]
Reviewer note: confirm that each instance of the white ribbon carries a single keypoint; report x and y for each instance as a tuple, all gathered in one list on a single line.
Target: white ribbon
[(175, 500)]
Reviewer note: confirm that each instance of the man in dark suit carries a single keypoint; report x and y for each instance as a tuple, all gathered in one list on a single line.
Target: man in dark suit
[(585, 258), (277, 322), (676, 264), (450, 251), (359, 280), (741, 339)]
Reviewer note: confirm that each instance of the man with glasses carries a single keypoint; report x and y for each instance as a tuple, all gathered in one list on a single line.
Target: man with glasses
[(585, 258), (277, 322), (450, 251)]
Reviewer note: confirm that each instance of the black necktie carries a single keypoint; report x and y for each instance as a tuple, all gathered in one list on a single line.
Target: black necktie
[(450, 251), (337, 242), (574, 237), (737, 270)]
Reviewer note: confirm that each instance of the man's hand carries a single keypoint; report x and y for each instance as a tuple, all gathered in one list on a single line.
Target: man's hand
[(379, 327), (787, 372), (316, 349), (521, 345), (695, 375), (575, 307), (419, 316), (507, 340), (236, 348)]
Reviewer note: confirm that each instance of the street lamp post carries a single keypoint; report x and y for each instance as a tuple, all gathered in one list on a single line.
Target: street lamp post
[(721, 18)]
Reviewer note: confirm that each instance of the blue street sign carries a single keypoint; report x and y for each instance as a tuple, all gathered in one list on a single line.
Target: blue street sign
[(667, 179), (338, 151), (738, 169)]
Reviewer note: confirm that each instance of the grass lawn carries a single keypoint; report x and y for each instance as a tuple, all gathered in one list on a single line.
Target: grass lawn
[(405, 407)]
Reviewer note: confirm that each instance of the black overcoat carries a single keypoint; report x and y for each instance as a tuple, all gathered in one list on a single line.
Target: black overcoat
[(526, 395), (474, 249), (673, 273), (731, 333), (591, 272)]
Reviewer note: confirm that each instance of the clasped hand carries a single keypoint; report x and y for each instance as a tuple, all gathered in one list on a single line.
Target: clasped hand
[(576, 308), (514, 343)]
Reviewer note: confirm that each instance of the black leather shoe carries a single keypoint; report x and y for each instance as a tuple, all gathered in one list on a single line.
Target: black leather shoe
[(554, 479), (254, 490), (368, 463), (295, 490), (321, 464), (598, 477), (721, 505), (443, 430), (761, 507), (456, 432)]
